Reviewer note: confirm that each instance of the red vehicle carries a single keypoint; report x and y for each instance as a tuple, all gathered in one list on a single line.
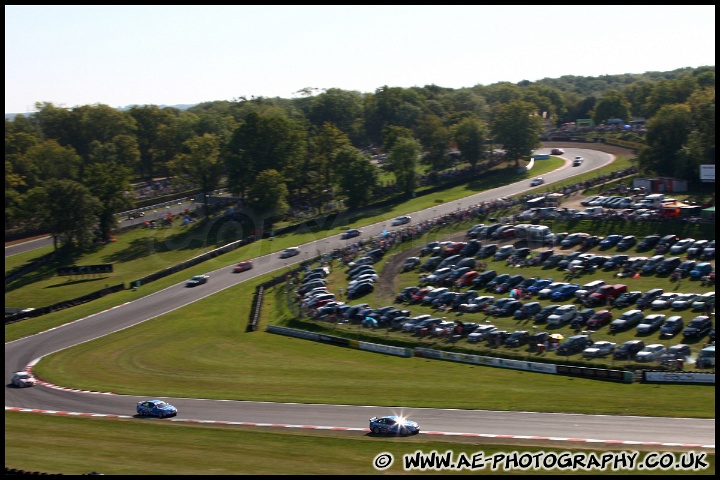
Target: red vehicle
[(419, 295), (454, 248), (599, 319), (467, 278), (243, 266), (603, 294), (557, 151)]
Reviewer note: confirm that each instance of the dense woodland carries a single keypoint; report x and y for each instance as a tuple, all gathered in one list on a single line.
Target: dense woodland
[(69, 170)]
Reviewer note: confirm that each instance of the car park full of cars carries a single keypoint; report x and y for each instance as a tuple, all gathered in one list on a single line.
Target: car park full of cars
[(394, 425), (156, 408)]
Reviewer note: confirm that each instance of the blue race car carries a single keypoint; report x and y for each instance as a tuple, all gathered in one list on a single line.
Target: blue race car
[(394, 425), (155, 408)]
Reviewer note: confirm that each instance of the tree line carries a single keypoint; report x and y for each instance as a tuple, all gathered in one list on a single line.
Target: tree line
[(69, 170)]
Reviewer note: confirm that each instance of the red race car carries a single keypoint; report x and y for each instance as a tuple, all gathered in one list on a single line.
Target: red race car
[(242, 266)]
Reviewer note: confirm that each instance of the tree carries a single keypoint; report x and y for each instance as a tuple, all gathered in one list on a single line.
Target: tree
[(266, 142), (268, 195), (611, 105), (358, 176), (66, 209), (667, 135), (402, 162), (517, 127), (109, 182), (470, 135), (201, 166)]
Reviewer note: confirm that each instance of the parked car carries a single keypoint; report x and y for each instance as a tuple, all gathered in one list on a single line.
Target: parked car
[(699, 303), (394, 425), (599, 319), (626, 321), (683, 301), (628, 350), (650, 353), (663, 301), (563, 314), (700, 270), (487, 250), (528, 310), (542, 315), (681, 246), (196, 280), (243, 266), (698, 327), (290, 252), (706, 358), (599, 349), (517, 339), (651, 264), (627, 242), (581, 319), (507, 309), (410, 263), (648, 243), (23, 379), (696, 248), (708, 251), (672, 326), (616, 261), (401, 220), (667, 266), (574, 344), (650, 323), (681, 352), (610, 241), (628, 298), (156, 408), (480, 333), (565, 292), (648, 297), (359, 290)]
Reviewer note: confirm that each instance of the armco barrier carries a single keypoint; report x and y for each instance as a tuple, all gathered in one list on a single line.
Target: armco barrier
[(536, 367), (679, 377), (63, 305)]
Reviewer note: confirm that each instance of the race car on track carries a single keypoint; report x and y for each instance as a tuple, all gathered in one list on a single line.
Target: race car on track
[(243, 266), (394, 425), (23, 379), (155, 408)]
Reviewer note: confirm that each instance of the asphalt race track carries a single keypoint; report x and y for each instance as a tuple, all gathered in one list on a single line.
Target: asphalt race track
[(46, 398)]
